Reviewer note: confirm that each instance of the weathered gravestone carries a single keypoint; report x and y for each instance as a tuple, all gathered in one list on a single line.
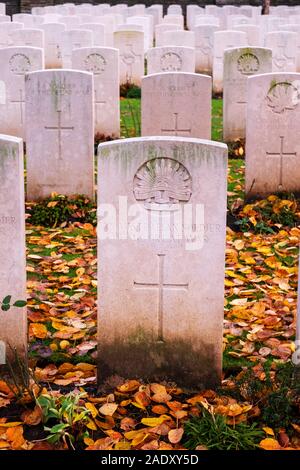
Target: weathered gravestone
[(174, 19), (284, 48), (204, 43), (131, 49), (295, 28), (5, 29), (17, 61), (53, 56), (178, 38), (177, 104), (272, 134), (224, 40), (165, 323), (103, 63), (27, 37), (98, 31), (161, 28), (239, 65), (60, 133), (170, 59), (74, 39), (13, 322)]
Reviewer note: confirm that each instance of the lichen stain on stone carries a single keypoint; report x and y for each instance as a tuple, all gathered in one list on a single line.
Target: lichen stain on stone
[(149, 360)]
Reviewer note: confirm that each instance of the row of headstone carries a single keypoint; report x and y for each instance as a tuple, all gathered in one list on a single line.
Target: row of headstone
[(169, 31), (60, 121), (103, 63), (171, 102), (202, 52)]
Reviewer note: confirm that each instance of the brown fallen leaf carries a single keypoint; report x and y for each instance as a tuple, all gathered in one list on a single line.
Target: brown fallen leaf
[(32, 417), (175, 435)]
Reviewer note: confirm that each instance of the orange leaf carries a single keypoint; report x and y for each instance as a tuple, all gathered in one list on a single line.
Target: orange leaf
[(32, 417), (38, 330), (269, 444), (129, 386), (15, 436), (159, 409)]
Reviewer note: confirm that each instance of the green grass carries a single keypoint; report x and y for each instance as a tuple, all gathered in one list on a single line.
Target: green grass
[(131, 118), (217, 120)]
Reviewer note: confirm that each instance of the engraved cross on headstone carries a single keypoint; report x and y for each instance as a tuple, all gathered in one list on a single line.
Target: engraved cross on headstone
[(281, 154), (59, 128), (176, 130), (21, 102), (161, 285), (129, 57), (56, 46), (281, 58)]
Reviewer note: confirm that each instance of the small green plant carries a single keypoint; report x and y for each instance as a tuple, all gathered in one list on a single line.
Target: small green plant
[(213, 432), (59, 209), (6, 303), (67, 415), (128, 90)]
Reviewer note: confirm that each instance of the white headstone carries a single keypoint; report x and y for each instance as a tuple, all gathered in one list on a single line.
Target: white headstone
[(5, 29), (253, 34), (70, 22), (166, 320), (4, 18), (272, 138), (52, 34), (176, 104), (27, 37), (296, 29), (206, 20), (284, 48), (178, 38), (131, 48), (29, 21), (224, 40), (13, 322), (170, 59), (60, 128), (174, 10), (110, 27), (74, 39), (17, 62), (103, 63), (204, 44), (239, 65), (160, 29), (98, 31), (174, 19), (147, 23)]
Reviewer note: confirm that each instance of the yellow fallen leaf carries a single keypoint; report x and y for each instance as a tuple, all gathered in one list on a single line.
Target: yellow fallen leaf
[(92, 409), (269, 444), (269, 431), (91, 425), (152, 422)]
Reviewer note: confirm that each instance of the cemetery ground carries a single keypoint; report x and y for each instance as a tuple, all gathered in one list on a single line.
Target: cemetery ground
[(256, 407)]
